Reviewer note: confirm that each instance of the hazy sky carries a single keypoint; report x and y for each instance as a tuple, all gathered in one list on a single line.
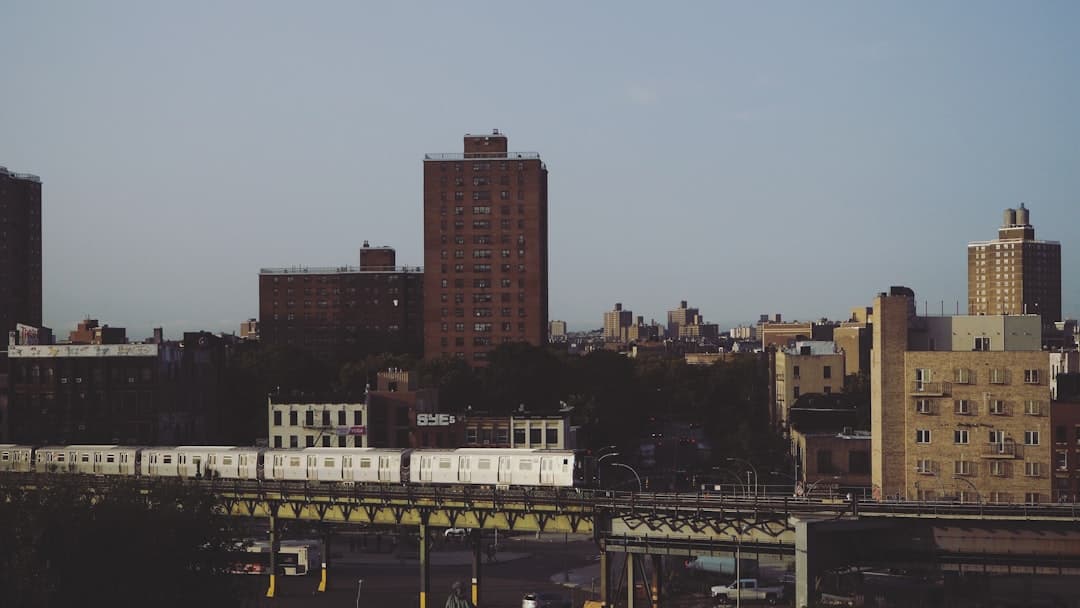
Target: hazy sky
[(748, 157)]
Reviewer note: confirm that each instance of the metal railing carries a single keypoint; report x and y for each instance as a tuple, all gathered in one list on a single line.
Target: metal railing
[(500, 156), (936, 389)]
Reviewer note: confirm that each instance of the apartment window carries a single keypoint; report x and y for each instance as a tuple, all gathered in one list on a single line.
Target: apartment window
[(358, 418), (924, 406), (963, 376), (1032, 498), (824, 461), (535, 436), (1033, 407), (962, 407), (924, 466), (1061, 461), (470, 435), (796, 392), (341, 418), (1031, 437), (997, 407), (277, 417), (519, 437), (963, 468), (551, 436), (309, 418), (999, 468), (1000, 497), (922, 378), (827, 372), (277, 441), (997, 437), (960, 436), (982, 344), (795, 372), (293, 441), (502, 436), (1031, 376), (922, 435), (293, 418), (1032, 469), (997, 376), (341, 441)]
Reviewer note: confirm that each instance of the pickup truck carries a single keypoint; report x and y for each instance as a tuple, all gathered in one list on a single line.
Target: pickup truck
[(747, 589)]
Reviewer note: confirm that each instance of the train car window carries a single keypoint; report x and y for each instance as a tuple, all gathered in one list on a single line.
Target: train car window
[(110, 458), (365, 463), (347, 462), (483, 464), (294, 461), (525, 465), (328, 463), (85, 457), (444, 463), (5, 456), (227, 460)]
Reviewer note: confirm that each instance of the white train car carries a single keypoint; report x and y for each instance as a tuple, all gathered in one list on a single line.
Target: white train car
[(368, 465), (232, 462), (16, 458), (285, 465), (494, 466), (53, 459), (159, 462)]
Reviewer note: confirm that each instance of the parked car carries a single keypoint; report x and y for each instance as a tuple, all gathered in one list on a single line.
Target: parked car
[(747, 589), (544, 600), (455, 533)]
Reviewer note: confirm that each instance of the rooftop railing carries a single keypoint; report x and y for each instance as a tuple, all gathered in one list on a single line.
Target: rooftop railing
[(340, 269), (483, 156)]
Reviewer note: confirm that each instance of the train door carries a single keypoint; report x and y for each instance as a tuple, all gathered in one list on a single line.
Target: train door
[(347, 472), (125, 464), (386, 473), (547, 471), (464, 471), (276, 468), (425, 468), (505, 472)]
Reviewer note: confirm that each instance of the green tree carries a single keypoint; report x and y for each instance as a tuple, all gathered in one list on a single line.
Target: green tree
[(65, 544)]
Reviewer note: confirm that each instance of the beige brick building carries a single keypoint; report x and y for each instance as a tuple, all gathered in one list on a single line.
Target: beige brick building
[(959, 405), (808, 367), (1015, 274)]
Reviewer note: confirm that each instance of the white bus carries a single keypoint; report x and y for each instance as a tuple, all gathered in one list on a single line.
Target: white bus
[(294, 558)]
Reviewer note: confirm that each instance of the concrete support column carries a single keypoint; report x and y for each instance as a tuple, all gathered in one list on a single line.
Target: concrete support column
[(275, 546), (806, 570), (325, 559), (629, 580), (657, 579), (425, 573), (476, 547), (605, 576)]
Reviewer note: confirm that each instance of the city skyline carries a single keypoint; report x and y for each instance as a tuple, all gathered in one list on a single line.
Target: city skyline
[(795, 160)]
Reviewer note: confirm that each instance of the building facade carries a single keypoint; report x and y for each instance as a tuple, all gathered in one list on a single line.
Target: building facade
[(485, 249), (531, 432), (959, 406), (808, 367), (617, 323), (339, 423), (346, 310), (20, 251), (1065, 421), (557, 331), (679, 317), (1015, 274)]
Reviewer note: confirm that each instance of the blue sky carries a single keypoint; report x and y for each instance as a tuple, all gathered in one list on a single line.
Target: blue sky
[(748, 157)]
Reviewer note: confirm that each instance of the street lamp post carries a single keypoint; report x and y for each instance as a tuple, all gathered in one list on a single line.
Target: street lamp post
[(599, 463), (978, 496), (631, 469), (752, 468)]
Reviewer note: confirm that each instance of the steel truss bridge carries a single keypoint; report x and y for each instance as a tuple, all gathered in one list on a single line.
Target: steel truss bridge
[(821, 533)]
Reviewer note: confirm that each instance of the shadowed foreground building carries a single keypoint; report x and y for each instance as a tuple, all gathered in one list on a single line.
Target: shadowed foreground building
[(485, 249), (20, 251)]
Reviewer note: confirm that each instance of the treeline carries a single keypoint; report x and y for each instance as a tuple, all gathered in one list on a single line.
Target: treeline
[(65, 544), (614, 399)]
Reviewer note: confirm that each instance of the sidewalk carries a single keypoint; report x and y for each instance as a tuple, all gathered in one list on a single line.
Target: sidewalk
[(438, 558)]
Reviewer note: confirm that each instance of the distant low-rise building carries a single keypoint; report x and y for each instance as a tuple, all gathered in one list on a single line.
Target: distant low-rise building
[(524, 431), (557, 331), (1065, 422), (616, 323), (298, 422), (807, 367)]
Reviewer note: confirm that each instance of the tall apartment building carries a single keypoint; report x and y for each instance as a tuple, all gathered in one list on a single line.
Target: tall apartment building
[(485, 249), (1015, 274), (959, 405), (617, 323), (808, 367), (344, 310), (679, 317), (557, 331), (20, 251)]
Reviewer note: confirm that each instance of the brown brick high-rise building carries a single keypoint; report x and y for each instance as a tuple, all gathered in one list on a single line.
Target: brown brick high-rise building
[(346, 311), (1015, 274), (20, 251), (485, 249)]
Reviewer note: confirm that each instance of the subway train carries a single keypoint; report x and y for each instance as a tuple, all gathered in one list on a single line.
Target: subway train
[(497, 467)]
